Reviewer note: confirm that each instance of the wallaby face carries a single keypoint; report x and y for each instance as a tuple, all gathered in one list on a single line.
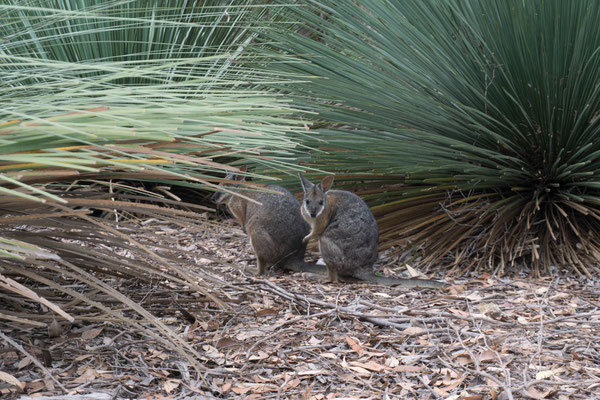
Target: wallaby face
[(315, 200), (222, 197)]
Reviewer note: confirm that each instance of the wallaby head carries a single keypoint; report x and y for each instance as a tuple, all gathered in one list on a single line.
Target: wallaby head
[(229, 181), (315, 196)]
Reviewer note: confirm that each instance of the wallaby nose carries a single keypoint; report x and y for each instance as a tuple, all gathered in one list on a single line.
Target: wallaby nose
[(313, 214), (216, 198)]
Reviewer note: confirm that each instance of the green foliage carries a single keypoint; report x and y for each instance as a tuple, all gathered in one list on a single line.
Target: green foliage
[(92, 74), (486, 112), (108, 92), (131, 91)]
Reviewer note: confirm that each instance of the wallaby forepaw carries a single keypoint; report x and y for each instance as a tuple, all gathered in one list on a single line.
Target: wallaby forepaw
[(306, 239)]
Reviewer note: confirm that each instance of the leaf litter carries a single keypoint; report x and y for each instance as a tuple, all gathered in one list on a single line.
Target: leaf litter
[(292, 336)]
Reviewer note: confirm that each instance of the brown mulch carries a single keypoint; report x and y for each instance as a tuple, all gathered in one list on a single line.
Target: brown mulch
[(292, 337)]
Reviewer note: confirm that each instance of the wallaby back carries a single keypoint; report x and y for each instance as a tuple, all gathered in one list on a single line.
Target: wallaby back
[(348, 234), (349, 241), (275, 226)]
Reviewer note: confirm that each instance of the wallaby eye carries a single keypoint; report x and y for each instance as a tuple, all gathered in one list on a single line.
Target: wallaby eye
[(307, 202), (321, 202)]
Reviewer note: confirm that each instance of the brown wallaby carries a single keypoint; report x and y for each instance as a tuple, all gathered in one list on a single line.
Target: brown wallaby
[(348, 234), (275, 226)]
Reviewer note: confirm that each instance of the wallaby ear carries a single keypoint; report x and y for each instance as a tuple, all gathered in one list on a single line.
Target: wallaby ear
[(327, 182), (240, 177), (306, 184)]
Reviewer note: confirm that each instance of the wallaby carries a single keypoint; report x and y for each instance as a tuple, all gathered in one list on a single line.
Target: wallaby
[(348, 234), (275, 226)]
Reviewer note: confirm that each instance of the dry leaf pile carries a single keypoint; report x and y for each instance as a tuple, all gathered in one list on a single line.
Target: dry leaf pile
[(290, 336)]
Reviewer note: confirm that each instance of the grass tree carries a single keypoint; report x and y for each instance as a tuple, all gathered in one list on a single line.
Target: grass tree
[(106, 93), (470, 127)]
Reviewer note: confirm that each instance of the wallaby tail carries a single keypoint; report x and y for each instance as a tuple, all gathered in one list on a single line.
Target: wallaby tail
[(303, 266), (294, 261), (369, 276)]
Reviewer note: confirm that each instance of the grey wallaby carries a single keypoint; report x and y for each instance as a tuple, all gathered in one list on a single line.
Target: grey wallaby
[(275, 226), (347, 233)]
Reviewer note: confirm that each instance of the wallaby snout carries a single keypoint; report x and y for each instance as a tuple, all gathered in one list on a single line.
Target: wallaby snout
[(218, 197), (221, 197), (314, 207)]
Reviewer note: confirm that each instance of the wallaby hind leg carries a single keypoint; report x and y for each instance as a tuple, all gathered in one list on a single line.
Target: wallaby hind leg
[(259, 245), (262, 266), (332, 275)]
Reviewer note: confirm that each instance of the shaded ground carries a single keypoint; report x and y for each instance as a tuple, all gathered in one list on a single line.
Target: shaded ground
[(289, 336)]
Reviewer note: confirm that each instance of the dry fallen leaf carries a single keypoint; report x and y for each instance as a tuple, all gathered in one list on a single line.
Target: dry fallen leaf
[(455, 290), (24, 362), (475, 296), (8, 378), (260, 356), (266, 311), (240, 390), (314, 341), (370, 365), (359, 370), (548, 373), (383, 295), (408, 368), (291, 384), (460, 313), (49, 383), (314, 372), (354, 344), (522, 285), (249, 334), (413, 331), (535, 394), (490, 309), (392, 362), (91, 333), (542, 290), (171, 385), (413, 272), (88, 375), (464, 360), (35, 386), (454, 384), (487, 356), (227, 343), (82, 357)]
